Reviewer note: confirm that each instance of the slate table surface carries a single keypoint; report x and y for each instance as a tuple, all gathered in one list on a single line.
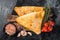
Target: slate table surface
[(6, 7)]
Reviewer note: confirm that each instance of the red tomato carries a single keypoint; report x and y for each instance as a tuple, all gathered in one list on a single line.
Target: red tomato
[(44, 29), (51, 23), (50, 28), (46, 24)]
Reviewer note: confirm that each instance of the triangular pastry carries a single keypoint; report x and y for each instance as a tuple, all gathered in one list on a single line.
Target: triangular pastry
[(28, 9), (31, 21)]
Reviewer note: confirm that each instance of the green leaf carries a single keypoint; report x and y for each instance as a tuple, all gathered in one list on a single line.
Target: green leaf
[(46, 16)]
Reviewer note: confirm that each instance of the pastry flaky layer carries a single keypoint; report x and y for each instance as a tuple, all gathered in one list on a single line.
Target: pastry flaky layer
[(31, 21), (28, 9)]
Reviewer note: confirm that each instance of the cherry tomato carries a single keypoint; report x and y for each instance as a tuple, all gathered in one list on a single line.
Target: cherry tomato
[(51, 23), (44, 29), (50, 28), (46, 24)]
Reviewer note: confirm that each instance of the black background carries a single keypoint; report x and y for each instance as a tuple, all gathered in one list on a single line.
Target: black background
[(54, 35)]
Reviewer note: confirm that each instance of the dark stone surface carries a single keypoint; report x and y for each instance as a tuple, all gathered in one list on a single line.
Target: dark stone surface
[(3, 36), (54, 35), (6, 7)]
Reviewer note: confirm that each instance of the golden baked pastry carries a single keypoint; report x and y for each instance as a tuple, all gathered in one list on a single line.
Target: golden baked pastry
[(31, 21), (28, 9)]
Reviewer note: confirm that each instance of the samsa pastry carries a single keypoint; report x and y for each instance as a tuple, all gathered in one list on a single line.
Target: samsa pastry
[(28, 9), (31, 21)]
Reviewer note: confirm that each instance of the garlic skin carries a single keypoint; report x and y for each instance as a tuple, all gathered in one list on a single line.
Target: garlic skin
[(19, 34), (23, 33), (30, 33)]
